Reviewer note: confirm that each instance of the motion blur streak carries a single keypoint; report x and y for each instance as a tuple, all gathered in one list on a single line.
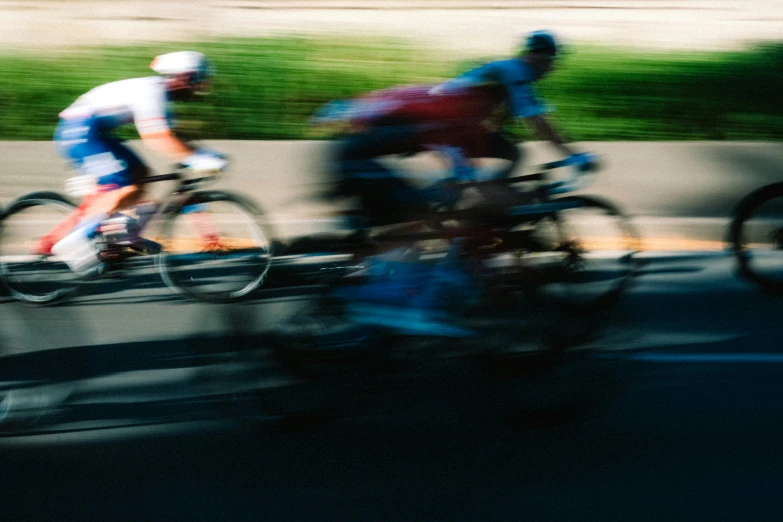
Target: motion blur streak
[(662, 402)]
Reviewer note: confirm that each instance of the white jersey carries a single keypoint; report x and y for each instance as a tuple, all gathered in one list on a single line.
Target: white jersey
[(142, 101)]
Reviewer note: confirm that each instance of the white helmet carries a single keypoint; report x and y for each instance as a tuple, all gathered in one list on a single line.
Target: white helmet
[(184, 62)]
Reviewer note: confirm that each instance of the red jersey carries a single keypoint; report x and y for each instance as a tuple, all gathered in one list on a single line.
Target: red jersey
[(461, 118)]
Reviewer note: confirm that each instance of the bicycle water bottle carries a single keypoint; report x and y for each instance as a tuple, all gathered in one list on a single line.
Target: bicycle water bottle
[(78, 249)]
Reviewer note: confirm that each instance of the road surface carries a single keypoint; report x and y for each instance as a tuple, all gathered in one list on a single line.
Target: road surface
[(684, 419), (674, 416)]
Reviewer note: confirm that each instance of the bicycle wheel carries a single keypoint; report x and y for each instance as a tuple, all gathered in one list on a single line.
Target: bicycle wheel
[(582, 254), (215, 247), (756, 237), (33, 278)]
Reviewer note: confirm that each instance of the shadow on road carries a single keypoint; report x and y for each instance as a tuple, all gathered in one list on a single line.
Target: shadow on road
[(238, 373)]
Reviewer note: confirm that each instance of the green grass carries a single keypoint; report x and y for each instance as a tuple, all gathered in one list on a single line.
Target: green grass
[(268, 88)]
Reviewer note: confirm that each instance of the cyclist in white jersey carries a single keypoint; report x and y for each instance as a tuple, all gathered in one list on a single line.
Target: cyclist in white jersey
[(109, 173)]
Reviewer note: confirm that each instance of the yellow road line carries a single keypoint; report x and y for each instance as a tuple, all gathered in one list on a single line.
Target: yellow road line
[(592, 244), (655, 243), (194, 244)]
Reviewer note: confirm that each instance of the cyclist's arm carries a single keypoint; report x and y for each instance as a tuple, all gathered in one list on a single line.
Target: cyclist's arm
[(524, 104), (167, 143), (547, 132), (153, 121)]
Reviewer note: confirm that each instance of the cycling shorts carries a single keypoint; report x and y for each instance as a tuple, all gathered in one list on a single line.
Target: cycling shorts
[(93, 152)]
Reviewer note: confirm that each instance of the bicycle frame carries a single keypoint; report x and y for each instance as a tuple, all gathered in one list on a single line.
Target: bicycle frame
[(543, 189), (531, 212), (175, 198)]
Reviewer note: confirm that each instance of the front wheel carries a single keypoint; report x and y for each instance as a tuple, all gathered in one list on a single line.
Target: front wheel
[(756, 237), (216, 247), (582, 254), (31, 277)]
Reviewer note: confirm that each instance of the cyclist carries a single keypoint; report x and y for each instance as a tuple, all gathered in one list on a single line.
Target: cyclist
[(109, 173), (516, 76), (460, 119)]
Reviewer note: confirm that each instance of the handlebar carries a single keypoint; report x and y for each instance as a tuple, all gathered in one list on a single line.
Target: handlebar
[(503, 181), (554, 187), (576, 180)]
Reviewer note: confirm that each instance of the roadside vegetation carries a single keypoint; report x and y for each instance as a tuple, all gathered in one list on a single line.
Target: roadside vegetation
[(268, 88)]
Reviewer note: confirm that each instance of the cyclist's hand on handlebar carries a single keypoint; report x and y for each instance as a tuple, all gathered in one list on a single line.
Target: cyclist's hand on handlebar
[(582, 162), (205, 161)]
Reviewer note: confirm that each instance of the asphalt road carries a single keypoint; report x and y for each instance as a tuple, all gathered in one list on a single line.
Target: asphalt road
[(679, 417)]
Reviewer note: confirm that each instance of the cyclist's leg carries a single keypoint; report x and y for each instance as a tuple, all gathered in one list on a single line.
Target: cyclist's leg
[(124, 185), (125, 193), (108, 172), (385, 197), (68, 136), (501, 146)]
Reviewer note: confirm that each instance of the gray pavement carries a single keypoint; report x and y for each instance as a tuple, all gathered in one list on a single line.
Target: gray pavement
[(677, 417), (676, 299), (685, 427)]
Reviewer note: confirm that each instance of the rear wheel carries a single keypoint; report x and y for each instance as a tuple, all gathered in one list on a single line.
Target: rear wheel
[(30, 277), (756, 237), (216, 247)]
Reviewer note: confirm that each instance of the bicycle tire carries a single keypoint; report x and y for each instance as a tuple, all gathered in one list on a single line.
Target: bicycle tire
[(18, 288), (568, 282), (170, 262), (745, 251)]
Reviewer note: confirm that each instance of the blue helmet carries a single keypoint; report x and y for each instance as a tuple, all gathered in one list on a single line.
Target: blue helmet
[(541, 42)]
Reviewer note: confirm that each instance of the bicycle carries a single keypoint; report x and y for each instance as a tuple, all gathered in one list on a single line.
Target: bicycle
[(755, 237), (189, 262), (512, 291), (576, 249)]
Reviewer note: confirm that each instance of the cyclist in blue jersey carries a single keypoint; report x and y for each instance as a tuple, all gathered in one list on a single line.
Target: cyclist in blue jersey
[(517, 76), (458, 119), (461, 119)]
